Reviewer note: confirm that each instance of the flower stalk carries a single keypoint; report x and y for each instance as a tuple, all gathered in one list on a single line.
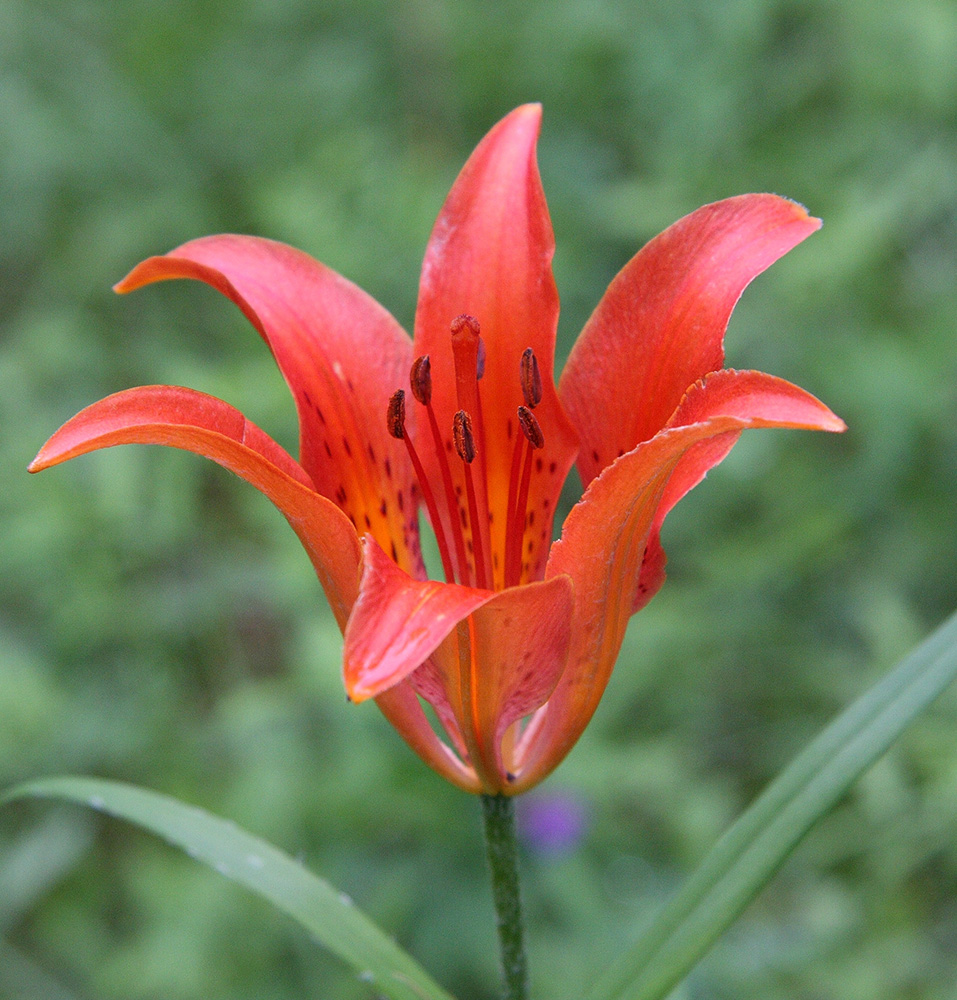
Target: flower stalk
[(498, 813)]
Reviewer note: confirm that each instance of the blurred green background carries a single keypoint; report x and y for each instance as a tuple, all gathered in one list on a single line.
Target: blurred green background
[(160, 624)]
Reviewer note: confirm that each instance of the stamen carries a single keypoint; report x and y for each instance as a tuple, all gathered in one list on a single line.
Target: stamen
[(511, 515), (531, 378), (465, 447), (463, 437), (533, 440), (530, 428), (395, 418), (421, 380)]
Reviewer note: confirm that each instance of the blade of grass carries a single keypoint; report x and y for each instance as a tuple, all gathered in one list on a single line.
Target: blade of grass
[(328, 915), (755, 847)]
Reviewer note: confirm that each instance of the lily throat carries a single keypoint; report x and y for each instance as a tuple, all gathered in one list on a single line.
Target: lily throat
[(459, 500)]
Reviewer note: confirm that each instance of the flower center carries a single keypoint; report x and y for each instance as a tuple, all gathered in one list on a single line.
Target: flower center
[(465, 528)]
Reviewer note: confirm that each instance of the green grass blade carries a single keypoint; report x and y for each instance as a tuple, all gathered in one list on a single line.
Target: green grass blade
[(755, 847), (327, 914)]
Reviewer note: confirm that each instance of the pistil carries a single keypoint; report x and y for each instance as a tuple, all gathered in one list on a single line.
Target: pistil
[(467, 349)]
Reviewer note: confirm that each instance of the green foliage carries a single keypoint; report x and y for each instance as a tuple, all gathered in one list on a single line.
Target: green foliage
[(159, 623), (330, 916), (732, 874)]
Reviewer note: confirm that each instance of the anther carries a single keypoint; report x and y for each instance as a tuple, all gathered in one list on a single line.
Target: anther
[(531, 379), (421, 380), (530, 427), (463, 437), (480, 360), (395, 418)]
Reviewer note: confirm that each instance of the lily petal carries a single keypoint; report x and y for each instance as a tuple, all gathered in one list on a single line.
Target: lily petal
[(496, 657), (520, 642), (194, 421), (660, 325), (342, 356), (401, 707), (764, 401), (398, 622), (490, 256), (605, 539)]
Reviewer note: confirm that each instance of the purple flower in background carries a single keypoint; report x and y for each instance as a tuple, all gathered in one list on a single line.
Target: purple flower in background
[(552, 823)]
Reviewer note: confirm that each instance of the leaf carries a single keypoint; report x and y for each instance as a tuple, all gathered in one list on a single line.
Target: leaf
[(756, 846), (327, 914)]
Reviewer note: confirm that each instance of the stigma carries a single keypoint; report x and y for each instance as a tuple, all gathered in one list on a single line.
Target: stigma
[(457, 494)]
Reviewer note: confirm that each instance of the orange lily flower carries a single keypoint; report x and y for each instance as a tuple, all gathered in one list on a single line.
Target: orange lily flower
[(514, 649)]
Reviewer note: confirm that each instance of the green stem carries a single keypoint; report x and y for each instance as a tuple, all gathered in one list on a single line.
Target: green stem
[(498, 811)]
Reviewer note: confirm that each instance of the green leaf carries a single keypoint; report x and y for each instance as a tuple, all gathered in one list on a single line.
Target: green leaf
[(328, 915), (756, 846)]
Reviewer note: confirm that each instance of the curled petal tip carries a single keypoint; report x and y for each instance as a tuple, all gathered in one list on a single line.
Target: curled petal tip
[(803, 213), (533, 109), (524, 117), (128, 283), (148, 270), (356, 694), (833, 423), (48, 456)]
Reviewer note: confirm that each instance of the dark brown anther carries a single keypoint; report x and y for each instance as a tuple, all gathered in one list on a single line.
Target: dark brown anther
[(395, 418), (531, 378), (465, 326), (530, 428), (463, 437), (421, 380), (480, 361)]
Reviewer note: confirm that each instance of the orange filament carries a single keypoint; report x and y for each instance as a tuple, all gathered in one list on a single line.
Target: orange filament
[(533, 439), (465, 448), (531, 378), (531, 381), (396, 421), (421, 380), (513, 517)]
